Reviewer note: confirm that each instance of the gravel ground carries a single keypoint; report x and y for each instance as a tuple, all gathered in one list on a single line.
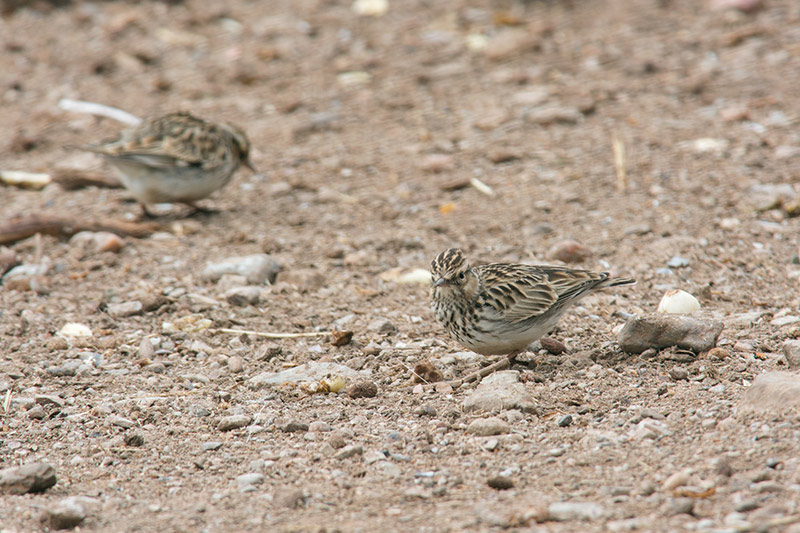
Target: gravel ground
[(381, 140)]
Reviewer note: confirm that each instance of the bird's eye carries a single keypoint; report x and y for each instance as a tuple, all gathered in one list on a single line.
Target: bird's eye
[(461, 276)]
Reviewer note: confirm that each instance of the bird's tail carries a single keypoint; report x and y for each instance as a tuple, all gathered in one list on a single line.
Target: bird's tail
[(614, 282)]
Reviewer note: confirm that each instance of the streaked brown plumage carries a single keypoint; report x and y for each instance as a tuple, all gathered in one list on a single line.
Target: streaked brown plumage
[(500, 308), (176, 157)]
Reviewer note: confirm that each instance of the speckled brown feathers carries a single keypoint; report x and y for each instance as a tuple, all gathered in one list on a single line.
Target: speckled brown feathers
[(500, 308), (176, 157)]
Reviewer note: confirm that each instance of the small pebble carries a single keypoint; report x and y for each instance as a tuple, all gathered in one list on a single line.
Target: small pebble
[(678, 373), (49, 399), (443, 387), (437, 163), (247, 482), (678, 302), (124, 309), (745, 6), (718, 353), (362, 389), (565, 421), (134, 439), (120, 421), (67, 513), (485, 427), (294, 427), (257, 269), (426, 372), (678, 479), (242, 296), (545, 115), (678, 262), (36, 413), (235, 364), (569, 252), (30, 477), (319, 426), (552, 345), (290, 499), (500, 483), (228, 423), (678, 506), (350, 451), (566, 511)]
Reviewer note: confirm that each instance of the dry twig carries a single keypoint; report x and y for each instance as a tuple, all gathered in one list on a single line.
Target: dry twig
[(481, 186), (92, 108), (72, 179), (273, 335), (19, 228), (618, 147)]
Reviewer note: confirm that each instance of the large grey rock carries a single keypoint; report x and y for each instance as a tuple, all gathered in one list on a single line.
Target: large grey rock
[(772, 392), (499, 391), (257, 269), (31, 477), (659, 330), (311, 371)]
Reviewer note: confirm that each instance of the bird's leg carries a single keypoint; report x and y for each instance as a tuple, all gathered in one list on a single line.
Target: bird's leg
[(200, 209), (503, 363), (146, 214)]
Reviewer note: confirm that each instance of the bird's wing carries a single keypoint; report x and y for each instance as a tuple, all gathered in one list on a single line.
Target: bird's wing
[(516, 292), (177, 139), (570, 283)]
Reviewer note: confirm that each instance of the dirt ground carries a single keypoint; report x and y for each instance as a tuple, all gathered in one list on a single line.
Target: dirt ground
[(367, 131)]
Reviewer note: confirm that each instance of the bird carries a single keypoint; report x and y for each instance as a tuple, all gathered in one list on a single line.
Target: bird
[(500, 308), (176, 157)]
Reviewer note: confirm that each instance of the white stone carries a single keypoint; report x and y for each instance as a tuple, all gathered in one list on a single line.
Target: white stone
[(678, 302), (73, 329)]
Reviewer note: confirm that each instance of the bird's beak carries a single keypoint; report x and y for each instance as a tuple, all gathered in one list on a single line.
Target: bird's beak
[(249, 165), (439, 282)]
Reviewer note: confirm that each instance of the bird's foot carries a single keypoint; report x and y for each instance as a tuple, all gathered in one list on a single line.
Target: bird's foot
[(502, 364), (199, 209)]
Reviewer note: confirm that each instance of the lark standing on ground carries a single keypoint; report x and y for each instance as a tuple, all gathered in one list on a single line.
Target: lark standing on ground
[(176, 158), (500, 308)]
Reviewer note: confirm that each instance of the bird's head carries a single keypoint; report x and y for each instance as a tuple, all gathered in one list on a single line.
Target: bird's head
[(452, 276), (241, 144)]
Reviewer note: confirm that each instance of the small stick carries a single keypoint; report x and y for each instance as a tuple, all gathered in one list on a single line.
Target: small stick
[(7, 402), (92, 108), (26, 226), (37, 254), (481, 186), (485, 371), (274, 335), (776, 522), (73, 179), (618, 147), (502, 364)]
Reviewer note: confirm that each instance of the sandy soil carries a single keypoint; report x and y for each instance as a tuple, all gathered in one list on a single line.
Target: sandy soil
[(366, 133)]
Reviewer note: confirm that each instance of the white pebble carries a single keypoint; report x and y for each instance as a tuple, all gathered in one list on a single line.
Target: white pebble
[(73, 329), (371, 8), (418, 275), (678, 302)]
